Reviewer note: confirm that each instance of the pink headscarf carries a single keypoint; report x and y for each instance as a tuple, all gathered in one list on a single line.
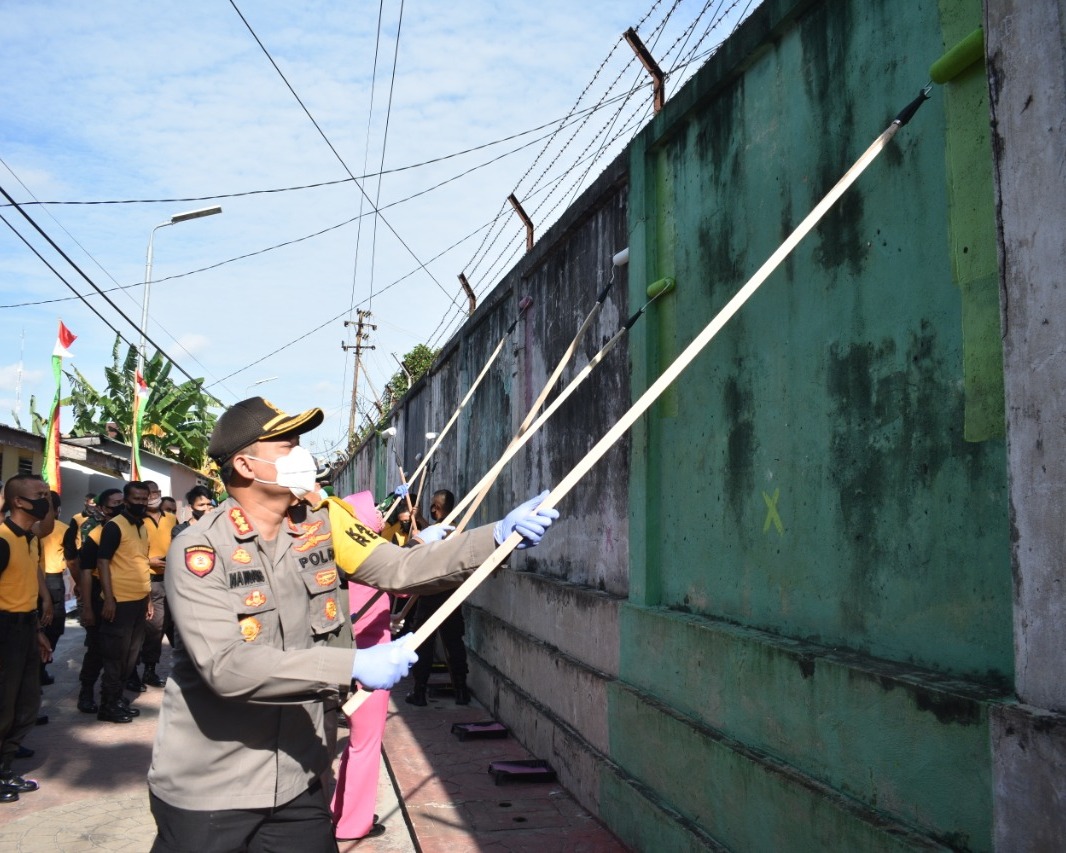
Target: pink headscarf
[(365, 509)]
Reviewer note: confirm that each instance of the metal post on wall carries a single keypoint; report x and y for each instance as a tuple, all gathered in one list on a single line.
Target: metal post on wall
[(471, 297), (650, 65), (517, 205)]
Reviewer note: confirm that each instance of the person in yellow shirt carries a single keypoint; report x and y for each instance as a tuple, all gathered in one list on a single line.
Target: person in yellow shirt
[(122, 566), (22, 644), (54, 565), (109, 504), (160, 526)]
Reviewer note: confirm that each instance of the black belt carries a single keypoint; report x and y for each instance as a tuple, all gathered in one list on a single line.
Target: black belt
[(157, 578), (9, 616)]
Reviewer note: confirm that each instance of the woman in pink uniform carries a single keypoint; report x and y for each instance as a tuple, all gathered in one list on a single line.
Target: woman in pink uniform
[(357, 775)]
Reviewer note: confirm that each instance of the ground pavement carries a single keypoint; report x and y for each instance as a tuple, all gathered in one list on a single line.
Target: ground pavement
[(435, 793)]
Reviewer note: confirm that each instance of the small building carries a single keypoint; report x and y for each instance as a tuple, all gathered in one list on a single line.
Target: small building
[(90, 464)]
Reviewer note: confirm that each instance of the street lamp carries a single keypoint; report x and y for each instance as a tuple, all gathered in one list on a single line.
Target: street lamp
[(174, 220), (262, 381)]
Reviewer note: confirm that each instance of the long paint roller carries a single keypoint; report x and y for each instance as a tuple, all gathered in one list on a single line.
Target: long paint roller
[(656, 389), (960, 59), (522, 306), (617, 260), (477, 494)]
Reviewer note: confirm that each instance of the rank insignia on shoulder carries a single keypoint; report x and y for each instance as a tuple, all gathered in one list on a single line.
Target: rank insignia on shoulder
[(241, 524), (326, 578), (241, 556), (250, 628), (200, 559), (331, 608), (255, 599)]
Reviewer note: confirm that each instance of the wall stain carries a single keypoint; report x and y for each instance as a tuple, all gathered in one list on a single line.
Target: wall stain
[(740, 443), (948, 709)]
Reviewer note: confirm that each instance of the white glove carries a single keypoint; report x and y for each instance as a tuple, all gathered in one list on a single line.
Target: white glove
[(435, 532), (527, 520), (381, 667)]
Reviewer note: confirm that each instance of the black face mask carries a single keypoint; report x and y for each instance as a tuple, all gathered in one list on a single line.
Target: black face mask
[(106, 512), (199, 513), (137, 510), (39, 507)]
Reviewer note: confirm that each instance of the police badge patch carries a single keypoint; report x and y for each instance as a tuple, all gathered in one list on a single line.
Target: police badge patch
[(200, 559), (250, 628)]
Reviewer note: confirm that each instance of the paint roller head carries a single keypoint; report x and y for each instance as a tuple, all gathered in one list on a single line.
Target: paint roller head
[(431, 435), (621, 258), (959, 58), (388, 433), (658, 288), (524, 303)]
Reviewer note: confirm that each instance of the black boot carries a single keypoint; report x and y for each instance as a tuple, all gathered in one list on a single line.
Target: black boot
[(86, 702), (12, 781), (134, 683), (462, 693), (113, 712), (151, 678), (417, 696)]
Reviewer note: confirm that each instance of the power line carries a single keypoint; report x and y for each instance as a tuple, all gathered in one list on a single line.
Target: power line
[(92, 283), (340, 159)]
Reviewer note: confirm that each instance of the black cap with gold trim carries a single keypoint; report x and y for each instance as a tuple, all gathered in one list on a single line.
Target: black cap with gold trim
[(256, 419)]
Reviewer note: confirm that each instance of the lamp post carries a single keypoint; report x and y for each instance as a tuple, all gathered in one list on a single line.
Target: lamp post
[(174, 220)]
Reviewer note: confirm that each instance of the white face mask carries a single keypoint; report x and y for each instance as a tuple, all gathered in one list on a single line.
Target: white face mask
[(296, 471)]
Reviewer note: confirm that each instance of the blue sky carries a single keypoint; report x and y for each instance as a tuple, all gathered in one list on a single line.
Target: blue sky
[(126, 100)]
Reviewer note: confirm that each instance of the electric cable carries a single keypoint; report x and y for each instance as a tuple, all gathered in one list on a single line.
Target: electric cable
[(336, 154), (92, 283)]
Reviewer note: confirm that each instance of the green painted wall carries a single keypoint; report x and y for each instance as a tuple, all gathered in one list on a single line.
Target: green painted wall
[(819, 616), (810, 475)]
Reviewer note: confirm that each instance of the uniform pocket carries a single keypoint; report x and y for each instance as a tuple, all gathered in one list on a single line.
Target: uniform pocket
[(323, 588), (256, 612)]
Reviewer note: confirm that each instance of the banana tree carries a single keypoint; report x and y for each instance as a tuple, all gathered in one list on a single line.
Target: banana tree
[(177, 419)]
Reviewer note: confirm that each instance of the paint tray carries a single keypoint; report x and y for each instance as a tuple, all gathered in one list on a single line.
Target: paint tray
[(484, 730), (522, 770)]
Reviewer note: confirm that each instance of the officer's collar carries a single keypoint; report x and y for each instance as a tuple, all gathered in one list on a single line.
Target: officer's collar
[(18, 531)]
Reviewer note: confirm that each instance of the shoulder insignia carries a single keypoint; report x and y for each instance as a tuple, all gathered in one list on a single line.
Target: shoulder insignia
[(241, 556), (255, 598), (241, 524), (331, 608), (327, 577), (200, 559), (250, 628)]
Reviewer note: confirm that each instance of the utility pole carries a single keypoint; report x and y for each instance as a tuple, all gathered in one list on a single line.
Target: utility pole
[(361, 337)]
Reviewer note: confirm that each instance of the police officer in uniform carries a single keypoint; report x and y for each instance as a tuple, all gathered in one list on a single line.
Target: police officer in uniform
[(254, 591)]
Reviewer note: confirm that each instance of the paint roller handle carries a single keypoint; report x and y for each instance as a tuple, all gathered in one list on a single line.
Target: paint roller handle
[(907, 113)]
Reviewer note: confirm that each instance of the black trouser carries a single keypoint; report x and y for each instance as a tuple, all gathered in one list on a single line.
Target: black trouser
[(451, 635), (120, 643), (302, 824), (20, 681), (158, 626), (93, 663), (57, 591)]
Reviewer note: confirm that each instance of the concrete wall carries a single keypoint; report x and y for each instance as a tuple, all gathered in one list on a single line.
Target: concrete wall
[(1026, 49), (782, 617)]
